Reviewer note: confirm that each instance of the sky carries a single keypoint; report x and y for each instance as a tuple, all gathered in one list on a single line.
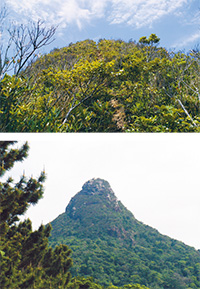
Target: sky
[(156, 176), (176, 22)]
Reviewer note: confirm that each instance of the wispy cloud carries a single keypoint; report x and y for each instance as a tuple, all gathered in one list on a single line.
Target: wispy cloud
[(193, 39), (136, 13), (140, 13)]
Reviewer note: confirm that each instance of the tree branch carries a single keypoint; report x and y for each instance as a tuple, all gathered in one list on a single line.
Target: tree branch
[(73, 107), (26, 40), (185, 110)]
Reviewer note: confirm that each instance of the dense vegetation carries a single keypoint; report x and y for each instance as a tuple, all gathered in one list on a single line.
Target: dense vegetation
[(109, 86), (109, 244), (26, 260)]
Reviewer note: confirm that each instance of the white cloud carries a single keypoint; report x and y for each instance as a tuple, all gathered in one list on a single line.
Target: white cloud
[(140, 13), (187, 40), (136, 13), (196, 18), (59, 11)]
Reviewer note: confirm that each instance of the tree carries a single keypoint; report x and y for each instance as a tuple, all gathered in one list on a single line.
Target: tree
[(23, 41), (26, 261), (20, 45), (153, 39)]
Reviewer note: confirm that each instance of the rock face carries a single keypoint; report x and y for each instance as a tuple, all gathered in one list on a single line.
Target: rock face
[(97, 186), (96, 196)]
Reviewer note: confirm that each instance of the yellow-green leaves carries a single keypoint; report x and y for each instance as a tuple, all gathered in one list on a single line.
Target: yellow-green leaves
[(106, 86)]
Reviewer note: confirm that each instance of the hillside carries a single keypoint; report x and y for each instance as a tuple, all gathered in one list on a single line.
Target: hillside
[(109, 86), (109, 244)]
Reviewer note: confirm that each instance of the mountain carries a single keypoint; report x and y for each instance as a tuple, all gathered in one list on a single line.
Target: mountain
[(109, 244), (105, 86)]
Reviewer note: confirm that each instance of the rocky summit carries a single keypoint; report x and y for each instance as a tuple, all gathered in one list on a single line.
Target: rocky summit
[(109, 244), (96, 193), (96, 204)]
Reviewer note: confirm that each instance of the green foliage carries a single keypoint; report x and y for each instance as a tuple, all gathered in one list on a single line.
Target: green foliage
[(9, 157), (109, 86), (88, 283), (110, 245), (153, 39), (26, 261)]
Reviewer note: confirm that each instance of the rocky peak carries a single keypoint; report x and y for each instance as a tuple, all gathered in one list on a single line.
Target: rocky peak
[(95, 192), (97, 186)]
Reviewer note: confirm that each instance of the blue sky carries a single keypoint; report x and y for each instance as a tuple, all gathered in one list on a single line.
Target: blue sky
[(176, 22)]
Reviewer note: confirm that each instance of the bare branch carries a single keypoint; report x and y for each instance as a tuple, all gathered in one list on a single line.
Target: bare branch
[(37, 37), (25, 40)]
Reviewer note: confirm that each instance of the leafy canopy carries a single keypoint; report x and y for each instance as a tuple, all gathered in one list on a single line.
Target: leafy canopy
[(109, 86)]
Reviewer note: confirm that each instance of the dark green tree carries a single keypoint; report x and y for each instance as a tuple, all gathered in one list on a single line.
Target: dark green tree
[(26, 261)]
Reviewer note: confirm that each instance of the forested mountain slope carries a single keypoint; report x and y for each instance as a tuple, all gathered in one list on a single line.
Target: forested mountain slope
[(109, 244), (26, 260), (109, 86)]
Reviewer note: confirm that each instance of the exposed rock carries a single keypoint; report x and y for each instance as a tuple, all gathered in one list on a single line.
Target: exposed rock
[(95, 191)]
